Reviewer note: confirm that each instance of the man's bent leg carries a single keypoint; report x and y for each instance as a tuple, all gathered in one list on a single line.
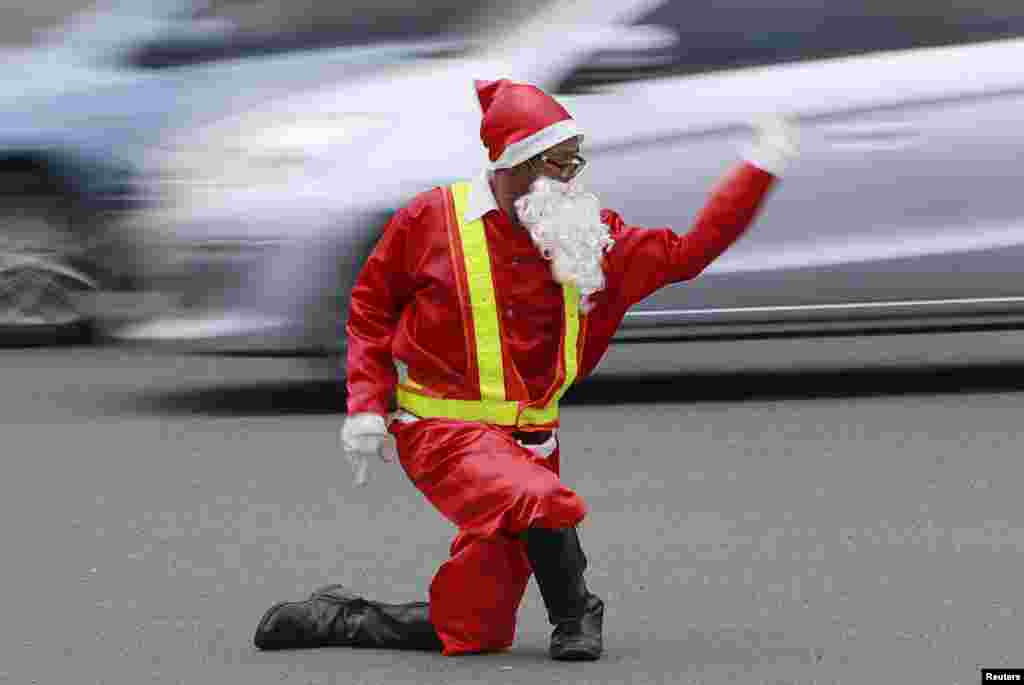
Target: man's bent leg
[(475, 595), (493, 490), (482, 480)]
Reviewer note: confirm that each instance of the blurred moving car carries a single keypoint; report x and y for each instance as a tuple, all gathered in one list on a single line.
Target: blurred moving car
[(902, 213), (83, 107)]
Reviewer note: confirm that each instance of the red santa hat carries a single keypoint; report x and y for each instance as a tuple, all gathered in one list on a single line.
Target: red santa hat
[(520, 121)]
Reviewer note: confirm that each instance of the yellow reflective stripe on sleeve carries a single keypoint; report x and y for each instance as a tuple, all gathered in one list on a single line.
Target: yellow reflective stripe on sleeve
[(482, 300)]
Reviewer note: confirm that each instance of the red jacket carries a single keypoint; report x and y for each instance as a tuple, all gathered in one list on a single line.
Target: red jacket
[(405, 304)]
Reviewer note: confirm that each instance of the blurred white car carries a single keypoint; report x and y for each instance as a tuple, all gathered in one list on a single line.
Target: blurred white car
[(902, 213)]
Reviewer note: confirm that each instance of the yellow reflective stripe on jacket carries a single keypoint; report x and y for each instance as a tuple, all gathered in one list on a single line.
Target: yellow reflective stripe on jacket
[(572, 335), (494, 407), (498, 412), (483, 303)]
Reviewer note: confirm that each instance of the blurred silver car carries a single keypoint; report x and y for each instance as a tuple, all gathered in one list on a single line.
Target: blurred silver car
[(86, 103), (902, 213)]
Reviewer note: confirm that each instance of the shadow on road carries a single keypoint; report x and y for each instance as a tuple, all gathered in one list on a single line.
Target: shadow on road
[(257, 399), (762, 386), (328, 397), (728, 648)]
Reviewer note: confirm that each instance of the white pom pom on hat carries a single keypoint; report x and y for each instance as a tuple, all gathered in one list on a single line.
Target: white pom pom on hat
[(520, 121)]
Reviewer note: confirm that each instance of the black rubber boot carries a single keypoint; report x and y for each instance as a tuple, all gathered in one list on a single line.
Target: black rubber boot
[(578, 615), (334, 617)]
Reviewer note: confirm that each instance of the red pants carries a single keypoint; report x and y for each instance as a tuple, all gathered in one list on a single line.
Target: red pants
[(492, 489)]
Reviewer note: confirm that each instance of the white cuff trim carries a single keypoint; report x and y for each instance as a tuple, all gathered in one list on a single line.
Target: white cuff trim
[(361, 425), (777, 144), (773, 161)]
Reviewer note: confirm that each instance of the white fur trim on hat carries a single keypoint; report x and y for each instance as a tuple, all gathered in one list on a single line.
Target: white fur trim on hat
[(531, 146)]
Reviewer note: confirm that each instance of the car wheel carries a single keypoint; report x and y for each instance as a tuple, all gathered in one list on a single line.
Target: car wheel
[(44, 296)]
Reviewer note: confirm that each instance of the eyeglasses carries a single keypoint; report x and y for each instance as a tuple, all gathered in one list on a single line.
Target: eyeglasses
[(567, 169)]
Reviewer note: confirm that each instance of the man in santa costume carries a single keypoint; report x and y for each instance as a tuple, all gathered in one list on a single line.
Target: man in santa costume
[(479, 307)]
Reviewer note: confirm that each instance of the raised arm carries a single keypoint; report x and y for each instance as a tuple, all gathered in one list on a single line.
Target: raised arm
[(649, 259)]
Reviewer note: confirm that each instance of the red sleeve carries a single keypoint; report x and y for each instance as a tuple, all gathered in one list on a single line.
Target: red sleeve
[(648, 259), (381, 291)]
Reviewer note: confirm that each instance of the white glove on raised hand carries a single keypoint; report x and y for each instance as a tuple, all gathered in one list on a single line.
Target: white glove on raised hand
[(364, 436), (776, 143)]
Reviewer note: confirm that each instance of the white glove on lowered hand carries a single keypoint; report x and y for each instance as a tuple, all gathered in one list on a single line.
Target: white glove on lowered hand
[(776, 143), (364, 436)]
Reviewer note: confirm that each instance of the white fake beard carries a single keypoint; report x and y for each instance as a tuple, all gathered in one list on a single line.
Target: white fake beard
[(564, 222)]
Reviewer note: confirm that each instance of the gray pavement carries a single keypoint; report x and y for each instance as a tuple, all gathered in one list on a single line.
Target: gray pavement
[(817, 528)]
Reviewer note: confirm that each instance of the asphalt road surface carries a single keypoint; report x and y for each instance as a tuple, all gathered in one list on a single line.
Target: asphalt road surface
[(856, 528)]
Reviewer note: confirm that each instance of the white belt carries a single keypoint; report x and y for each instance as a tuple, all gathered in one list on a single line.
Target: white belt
[(543, 450)]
